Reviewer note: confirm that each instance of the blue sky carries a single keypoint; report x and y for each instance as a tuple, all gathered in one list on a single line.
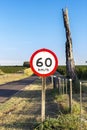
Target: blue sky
[(28, 25)]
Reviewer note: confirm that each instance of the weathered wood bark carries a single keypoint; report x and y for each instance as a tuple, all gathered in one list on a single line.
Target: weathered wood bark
[(70, 65)]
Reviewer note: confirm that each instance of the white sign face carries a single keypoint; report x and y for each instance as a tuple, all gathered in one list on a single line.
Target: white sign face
[(44, 62)]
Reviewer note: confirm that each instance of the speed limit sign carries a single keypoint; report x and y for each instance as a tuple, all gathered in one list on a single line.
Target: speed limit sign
[(44, 62)]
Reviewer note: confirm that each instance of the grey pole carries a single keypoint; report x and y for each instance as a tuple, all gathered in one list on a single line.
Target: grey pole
[(52, 80), (59, 85), (43, 98), (66, 85), (70, 96), (63, 85), (80, 105)]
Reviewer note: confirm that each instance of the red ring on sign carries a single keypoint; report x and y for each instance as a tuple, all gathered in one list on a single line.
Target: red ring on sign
[(44, 50)]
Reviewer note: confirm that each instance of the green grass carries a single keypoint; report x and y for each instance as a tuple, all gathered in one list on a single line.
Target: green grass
[(81, 71), (12, 69), (5, 78), (63, 122), (62, 70), (15, 113), (21, 113)]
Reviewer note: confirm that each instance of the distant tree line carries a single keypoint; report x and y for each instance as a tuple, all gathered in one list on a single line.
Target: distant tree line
[(12, 69), (26, 64), (81, 71)]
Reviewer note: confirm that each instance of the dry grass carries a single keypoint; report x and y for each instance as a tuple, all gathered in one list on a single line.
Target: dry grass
[(14, 77), (23, 110), (20, 111), (76, 99)]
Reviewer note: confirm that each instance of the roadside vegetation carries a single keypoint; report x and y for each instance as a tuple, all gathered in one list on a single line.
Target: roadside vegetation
[(23, 110), (80, 70), (8, 77), (12, 69), (64, 120)]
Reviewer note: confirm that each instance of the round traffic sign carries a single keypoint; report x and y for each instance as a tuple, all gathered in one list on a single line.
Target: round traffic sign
[(43, 62)]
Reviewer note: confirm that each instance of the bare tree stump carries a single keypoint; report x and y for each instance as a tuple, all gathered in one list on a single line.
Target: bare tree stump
[(70, 65)]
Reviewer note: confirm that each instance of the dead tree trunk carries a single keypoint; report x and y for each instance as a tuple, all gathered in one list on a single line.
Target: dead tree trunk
[(70, 65)]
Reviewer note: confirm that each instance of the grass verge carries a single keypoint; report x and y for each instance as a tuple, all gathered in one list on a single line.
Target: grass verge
[(5, 78), (65, 120), (22, 110)]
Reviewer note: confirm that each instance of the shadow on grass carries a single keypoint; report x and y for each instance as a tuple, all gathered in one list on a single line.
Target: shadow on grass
[(35, 110), (28, 124), (5, 94)]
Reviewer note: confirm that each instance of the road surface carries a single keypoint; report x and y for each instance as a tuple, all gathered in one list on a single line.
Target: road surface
[(9, 89)]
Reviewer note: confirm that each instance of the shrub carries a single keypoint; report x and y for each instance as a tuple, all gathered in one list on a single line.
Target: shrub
[(11, 69), (62, 70), (1, 72), (81, 71), (28, 72), (26, 64), (63, 122)]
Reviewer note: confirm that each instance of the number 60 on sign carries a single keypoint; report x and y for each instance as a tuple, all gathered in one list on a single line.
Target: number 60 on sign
[(44, 62)]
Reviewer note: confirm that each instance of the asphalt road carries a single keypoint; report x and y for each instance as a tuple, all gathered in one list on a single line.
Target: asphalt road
[(9, 89)]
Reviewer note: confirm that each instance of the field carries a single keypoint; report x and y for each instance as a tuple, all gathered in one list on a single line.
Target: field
[(19, 112), (81, 71), (23, 110), (13, 73), (12, 69)]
